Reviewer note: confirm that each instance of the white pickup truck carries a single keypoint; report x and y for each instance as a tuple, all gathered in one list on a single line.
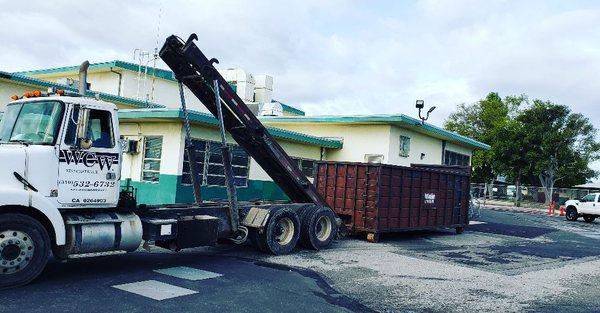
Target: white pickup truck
[(588, 207)]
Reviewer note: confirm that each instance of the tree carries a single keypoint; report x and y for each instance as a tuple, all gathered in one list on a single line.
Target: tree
[(484, 121), (560, 143), (538, 142)]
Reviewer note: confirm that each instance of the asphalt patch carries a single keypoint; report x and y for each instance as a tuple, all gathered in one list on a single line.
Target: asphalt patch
[(511, 230)]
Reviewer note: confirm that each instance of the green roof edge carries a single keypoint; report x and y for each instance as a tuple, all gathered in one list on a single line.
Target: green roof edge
[(404, 119), (103, 96), (205, 118), (158, 72)]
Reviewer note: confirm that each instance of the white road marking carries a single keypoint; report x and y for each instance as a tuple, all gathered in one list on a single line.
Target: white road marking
[(155, 290), (476, 222), (188, 273)]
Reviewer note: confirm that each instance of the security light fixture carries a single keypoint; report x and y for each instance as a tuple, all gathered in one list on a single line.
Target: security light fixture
[(420, 105)]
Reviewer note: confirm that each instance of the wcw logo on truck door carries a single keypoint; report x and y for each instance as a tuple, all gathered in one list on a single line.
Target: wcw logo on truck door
[(89, 159)]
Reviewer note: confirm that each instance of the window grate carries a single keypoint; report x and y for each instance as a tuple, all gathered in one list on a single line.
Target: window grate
[(210, 163), (151, 161)]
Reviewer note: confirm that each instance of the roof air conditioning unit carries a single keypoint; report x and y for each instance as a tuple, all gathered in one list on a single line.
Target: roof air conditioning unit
[(271, 109), (374, 158)]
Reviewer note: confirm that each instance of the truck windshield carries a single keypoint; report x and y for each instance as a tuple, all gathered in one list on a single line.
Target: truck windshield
[(31, 122)]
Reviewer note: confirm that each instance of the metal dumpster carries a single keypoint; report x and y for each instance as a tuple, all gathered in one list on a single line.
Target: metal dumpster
[(378, 198)]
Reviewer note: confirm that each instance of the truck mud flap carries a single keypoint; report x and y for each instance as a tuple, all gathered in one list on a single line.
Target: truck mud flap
[(256, 218)]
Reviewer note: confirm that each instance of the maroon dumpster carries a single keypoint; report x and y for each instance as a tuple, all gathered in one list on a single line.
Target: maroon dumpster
[(379, 198)]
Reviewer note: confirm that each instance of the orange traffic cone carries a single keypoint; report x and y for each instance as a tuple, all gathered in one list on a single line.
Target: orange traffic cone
[(562, 210)]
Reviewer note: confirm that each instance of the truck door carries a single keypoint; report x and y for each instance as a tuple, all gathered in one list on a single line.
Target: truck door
[(587, 204), (88, 176)]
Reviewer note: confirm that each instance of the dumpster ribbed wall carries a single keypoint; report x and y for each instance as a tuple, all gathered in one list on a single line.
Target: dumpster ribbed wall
[(386, 198)]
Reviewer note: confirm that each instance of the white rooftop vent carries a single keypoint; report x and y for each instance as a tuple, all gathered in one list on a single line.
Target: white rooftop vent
[(271, 109)]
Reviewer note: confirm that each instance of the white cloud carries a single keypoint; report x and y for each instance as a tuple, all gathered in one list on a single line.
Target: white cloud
[(333, 57)]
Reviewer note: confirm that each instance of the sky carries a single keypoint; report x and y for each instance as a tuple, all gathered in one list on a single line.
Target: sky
[(340, 57)]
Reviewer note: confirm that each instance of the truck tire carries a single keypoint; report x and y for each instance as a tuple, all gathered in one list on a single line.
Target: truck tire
[(318, 228), (24, 249), (589, 218), (281, 233), (572, 214)]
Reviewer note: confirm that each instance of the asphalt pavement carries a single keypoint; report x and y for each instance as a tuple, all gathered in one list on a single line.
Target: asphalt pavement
[(505, 261), (168, 282)]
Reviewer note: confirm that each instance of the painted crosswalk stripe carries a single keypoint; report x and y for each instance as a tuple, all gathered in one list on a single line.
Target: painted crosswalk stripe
[(476, 222), (155, 290), (188, 273)]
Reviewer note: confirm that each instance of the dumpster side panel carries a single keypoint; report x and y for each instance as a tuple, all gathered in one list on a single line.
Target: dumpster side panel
[(387, 198)]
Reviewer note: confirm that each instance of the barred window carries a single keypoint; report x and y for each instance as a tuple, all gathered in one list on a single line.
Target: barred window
[(210, 163), (151, 161), (306, 166), (453, 158), (404, 146)]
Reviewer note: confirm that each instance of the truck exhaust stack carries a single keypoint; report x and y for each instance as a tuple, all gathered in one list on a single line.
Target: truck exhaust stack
[(83, 68)]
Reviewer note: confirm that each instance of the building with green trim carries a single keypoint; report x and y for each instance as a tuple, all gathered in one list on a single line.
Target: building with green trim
[(149, 115)]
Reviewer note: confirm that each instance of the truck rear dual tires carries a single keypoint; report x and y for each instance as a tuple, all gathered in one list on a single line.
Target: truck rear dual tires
[(318, 227), (24, 249), (281, 233), (312, 226)]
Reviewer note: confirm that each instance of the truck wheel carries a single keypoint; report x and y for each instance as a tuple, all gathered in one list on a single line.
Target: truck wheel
[(459, 230), (24, 249), (589, 218), (281, 234), (318, 228), (571, 214)]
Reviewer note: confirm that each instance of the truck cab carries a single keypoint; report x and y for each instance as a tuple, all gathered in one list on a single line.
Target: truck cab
[(72, 165), (60, 163)]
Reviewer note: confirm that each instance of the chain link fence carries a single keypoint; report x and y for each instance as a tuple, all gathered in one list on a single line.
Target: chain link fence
[(531, 194)]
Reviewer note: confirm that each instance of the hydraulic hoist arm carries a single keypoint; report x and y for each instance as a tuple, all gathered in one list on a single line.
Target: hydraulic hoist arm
[(196, 71)]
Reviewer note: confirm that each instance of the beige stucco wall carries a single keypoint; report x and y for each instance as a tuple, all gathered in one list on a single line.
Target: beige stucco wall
[(419, 143), (7, 89), (362, 139), (99, 81), (358, 139), (172, 146)]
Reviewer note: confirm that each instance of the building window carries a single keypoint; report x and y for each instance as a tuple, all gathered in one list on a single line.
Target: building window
[(453, 158), (306, 166), (210, 164), (151, 162), (404, 146)]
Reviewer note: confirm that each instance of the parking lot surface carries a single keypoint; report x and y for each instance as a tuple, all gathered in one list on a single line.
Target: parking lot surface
[(505, 261)]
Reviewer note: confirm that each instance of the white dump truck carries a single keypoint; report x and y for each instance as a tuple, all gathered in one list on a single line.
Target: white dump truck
[(60, 171)]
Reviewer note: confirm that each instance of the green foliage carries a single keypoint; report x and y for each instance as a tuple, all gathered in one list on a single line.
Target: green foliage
[(484, 121), (525, 137)]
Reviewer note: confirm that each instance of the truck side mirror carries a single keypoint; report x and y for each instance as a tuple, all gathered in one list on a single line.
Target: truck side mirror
[(83, 141)]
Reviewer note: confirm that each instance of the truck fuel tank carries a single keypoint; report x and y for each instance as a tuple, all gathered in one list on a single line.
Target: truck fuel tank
[(101, 232)]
